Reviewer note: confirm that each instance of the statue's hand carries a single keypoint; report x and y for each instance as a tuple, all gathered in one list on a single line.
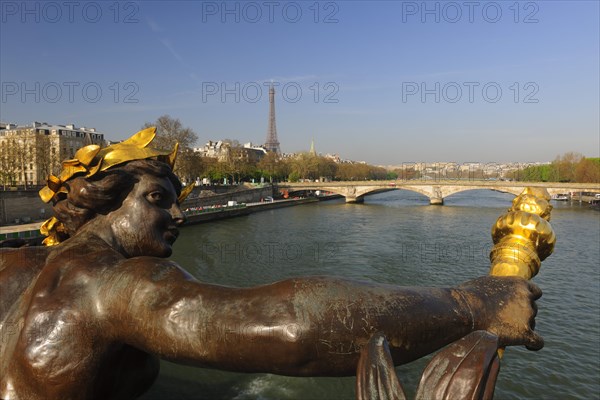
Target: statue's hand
[(506, 307)]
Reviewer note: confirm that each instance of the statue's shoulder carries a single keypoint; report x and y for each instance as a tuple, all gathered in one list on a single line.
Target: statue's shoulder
[(154, 269)]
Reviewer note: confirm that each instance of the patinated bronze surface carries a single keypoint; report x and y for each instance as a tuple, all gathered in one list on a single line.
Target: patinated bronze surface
[(89, 317)]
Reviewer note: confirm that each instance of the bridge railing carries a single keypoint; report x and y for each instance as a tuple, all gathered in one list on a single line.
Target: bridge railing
[(568, 185)]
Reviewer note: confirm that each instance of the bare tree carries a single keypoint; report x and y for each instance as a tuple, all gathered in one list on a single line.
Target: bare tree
[(588, 170), (170, 131), (237, 164), (565, 166), (8, 166), (43, 157)]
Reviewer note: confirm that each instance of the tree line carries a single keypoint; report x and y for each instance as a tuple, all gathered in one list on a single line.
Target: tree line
[(569, 167)]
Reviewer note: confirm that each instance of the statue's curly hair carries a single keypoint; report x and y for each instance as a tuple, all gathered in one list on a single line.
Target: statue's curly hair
[(104, 191)]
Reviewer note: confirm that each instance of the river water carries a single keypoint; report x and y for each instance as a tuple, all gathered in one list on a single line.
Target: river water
[(397, 237)]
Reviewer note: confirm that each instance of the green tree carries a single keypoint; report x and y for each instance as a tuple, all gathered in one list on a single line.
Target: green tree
[(391, 175), (269, 166), (304, 166), (326, 168)]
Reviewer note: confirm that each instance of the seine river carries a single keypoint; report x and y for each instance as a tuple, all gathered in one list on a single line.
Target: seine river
[(397, 237)]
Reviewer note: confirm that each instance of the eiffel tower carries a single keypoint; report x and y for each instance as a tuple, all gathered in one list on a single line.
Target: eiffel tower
[(272, 144)]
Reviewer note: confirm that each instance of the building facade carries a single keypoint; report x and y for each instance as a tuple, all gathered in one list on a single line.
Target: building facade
[(224, 151), (29, 153)]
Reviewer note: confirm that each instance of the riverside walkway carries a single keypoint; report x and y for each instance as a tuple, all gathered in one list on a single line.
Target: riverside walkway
[(22, 231)]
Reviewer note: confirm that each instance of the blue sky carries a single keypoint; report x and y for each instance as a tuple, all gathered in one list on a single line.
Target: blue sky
[(386, 82)]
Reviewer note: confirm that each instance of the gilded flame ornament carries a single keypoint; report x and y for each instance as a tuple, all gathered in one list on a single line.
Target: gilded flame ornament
[(523, 237)]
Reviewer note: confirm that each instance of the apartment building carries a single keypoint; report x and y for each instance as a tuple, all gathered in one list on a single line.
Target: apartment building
[(29, 153)]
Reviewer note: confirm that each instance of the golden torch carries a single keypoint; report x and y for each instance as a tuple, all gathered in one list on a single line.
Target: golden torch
[(523, 236)]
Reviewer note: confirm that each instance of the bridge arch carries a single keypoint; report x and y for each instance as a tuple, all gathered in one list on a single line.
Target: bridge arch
[(361, 193), (417, 189), (358, 193), (504, 189)]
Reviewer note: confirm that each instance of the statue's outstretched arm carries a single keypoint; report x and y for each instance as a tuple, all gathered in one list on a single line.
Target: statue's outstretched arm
[(302, 326)]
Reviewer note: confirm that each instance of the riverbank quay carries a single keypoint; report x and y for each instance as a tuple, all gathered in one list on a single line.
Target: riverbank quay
[(206, 214), (270, 205), (208, 196), (215, 213)]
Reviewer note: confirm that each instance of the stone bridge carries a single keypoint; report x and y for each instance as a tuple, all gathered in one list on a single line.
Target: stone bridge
[(436, 191)]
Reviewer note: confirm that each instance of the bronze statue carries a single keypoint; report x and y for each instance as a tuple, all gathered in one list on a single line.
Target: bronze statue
[(89, 315)]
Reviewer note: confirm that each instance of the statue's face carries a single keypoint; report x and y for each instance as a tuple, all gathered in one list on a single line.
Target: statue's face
[(146, 223)]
